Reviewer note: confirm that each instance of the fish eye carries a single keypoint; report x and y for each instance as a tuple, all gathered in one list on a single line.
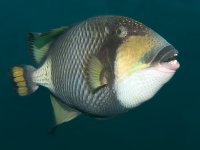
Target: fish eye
[(121, 32)]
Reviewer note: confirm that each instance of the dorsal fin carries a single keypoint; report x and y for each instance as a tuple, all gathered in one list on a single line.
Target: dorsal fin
[(39, 43)]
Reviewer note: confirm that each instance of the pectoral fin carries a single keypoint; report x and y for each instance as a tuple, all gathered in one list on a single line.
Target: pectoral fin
[(62, 112), (98, 76)]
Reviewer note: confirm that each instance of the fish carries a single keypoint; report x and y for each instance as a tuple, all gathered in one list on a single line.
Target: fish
[(101, 67)]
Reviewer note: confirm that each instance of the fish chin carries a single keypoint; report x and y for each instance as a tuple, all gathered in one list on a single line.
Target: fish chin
[(141, 85)]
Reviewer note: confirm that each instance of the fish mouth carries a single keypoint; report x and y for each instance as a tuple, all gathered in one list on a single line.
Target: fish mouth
[(166, 59)]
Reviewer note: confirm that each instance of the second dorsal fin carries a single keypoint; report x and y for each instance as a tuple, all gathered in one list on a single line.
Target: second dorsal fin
[(39, 43)]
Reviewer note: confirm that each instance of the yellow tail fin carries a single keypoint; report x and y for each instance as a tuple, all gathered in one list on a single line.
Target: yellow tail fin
[(22, 78)]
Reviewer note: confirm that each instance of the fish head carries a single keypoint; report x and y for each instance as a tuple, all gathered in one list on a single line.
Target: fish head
[(144, 62)]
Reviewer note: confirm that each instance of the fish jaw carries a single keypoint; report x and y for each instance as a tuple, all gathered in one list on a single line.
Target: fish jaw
[(142, 85), (171, 66)]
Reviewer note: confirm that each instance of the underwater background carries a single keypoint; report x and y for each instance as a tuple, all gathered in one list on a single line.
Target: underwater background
[(171, 120)]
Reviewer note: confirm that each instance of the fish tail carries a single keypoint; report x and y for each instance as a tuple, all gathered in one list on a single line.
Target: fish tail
[(22, 80)]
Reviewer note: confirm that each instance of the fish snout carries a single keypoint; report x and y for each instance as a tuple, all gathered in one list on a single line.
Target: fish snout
[(166, 59)]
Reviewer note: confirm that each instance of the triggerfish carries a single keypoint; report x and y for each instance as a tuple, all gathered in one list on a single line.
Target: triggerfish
[(101, 67)]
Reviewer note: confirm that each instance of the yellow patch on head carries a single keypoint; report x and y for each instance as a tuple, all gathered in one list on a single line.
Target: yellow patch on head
[(138, 66), (130, 53)]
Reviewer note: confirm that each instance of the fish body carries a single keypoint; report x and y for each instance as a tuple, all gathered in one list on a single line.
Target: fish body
[(103, 66)]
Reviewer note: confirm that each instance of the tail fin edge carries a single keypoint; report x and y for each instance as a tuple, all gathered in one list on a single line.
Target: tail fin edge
[(22, 80)]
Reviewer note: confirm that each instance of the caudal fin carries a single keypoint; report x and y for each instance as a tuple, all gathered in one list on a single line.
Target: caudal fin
[(22, 79)]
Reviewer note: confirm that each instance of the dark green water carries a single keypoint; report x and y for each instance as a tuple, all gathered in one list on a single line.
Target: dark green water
[(171, 120)]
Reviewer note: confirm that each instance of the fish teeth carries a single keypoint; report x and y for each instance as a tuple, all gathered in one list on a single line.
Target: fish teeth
[(173, 62)]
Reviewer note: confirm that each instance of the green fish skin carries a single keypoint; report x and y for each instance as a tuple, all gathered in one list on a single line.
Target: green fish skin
[(102, 67)]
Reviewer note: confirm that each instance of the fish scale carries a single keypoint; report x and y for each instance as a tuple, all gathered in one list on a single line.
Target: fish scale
[(71, 58)]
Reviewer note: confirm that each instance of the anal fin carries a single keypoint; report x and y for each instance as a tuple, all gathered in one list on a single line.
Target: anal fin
[(62, 112)]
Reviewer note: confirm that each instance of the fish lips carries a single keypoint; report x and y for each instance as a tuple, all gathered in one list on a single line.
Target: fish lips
[(165, 60)]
